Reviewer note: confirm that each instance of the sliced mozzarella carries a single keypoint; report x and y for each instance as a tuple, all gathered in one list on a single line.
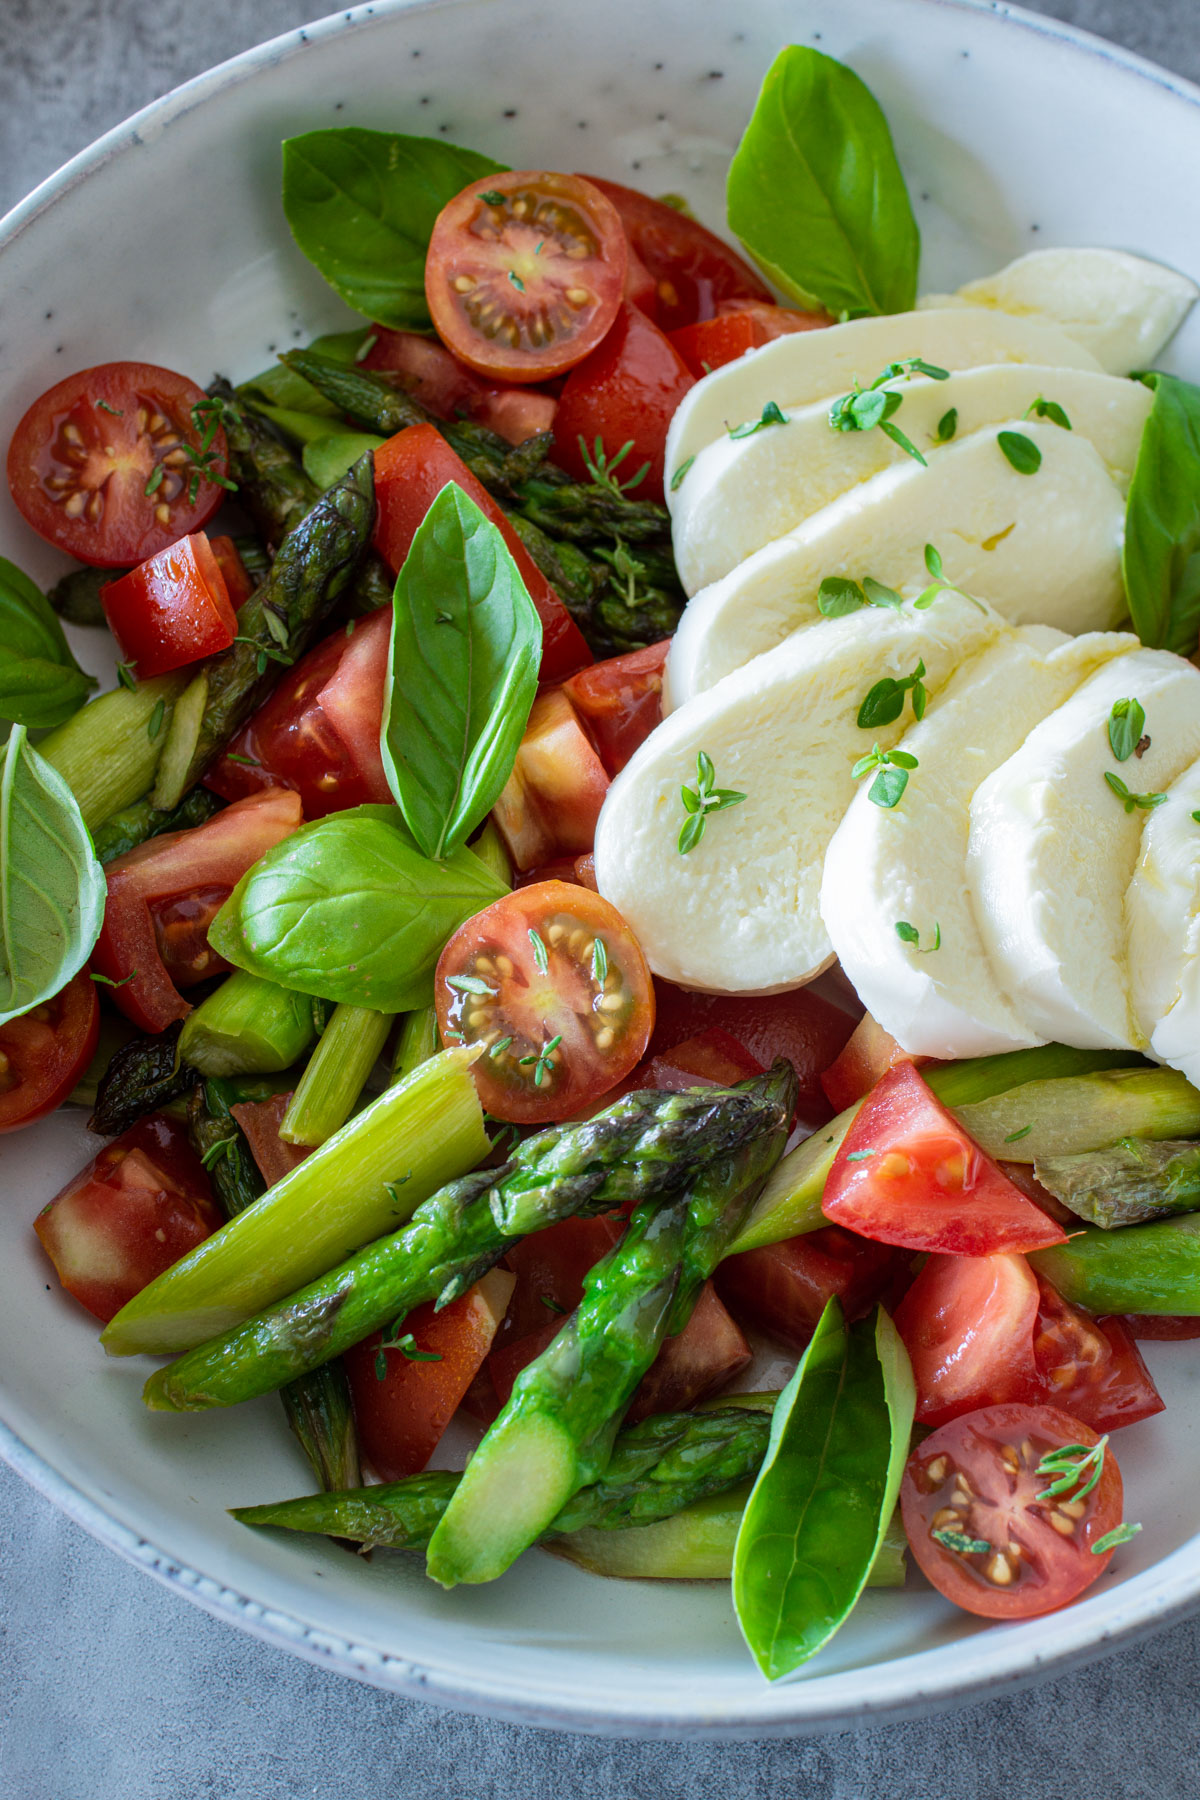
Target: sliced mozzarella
[(739, 912), (1122, 308), (1044, 549), (819, 365), (1052, 849), (1162, 912), (910, 864), (742, 492)]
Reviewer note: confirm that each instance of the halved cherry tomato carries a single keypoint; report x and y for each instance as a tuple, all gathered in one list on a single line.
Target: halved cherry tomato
[(620, 701), (44, 1052), (172, 609), (1090, 1367), (696, 1364), (982, 1523), (208, 862), (450, 390), (908, 1174), (404, 1402), (411, 470), (864, 1059), (625, 392), (260, 1121), (318, 732), (549, 805), (238, 584), (524, 272), (553, 981), (693, 269), (139, 1206), (783, 1289), (104, 465)]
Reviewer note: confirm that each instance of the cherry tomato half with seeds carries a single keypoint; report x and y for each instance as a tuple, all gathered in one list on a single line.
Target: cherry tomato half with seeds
[(984, 1523), (553, 982), (111, 464), (44, 1052), (525, 272)]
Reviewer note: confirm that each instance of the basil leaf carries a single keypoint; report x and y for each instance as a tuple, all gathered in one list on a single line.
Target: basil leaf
[(1161, 558), (361, 206), (41, 684), (349, 909), (816, 195), (52, 889), (462, 673), (826, 1491)]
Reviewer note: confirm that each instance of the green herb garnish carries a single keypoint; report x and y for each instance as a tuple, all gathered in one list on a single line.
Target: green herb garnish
[(1041, 408), (772, 414), (701, 800), (884, 702), (539, 951), (947, 426), (680, 472), (602, 468), (892, 778), (1145, 802), (871, 408), (960, 1542), (908, 934), (1021, 452), (1126, 723), (542, 1060)]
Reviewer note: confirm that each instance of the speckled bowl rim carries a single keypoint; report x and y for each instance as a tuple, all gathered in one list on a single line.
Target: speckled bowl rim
[(1147, 1604)]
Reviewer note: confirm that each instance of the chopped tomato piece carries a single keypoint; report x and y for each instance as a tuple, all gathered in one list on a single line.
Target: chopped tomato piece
[(585, 872), (260, 1120), (693, 269), (516, 414), (712, 343), (550, 803), (620, 701), (139, 1206), (44, 1052), (983, 1523), (172, 609), (773, 321), (549, 1267), (624, 393), (411, 470), (783, 1289), (207, 861), (967, 1323), (1090, 1367), (506, 1363), (908, 1174), (238, 584), (863, 1060), (524, 272), (407, 1383), (710, 1059), (450, 390), (706, 1356), (1163, 1327), (641, 289)]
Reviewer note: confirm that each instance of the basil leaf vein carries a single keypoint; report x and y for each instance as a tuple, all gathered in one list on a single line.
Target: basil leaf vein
[(1161, 557)]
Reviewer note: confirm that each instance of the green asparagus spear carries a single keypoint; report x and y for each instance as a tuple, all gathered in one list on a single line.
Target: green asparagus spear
[(142, 1076), (76, 597), (248, 1026), (134, 824), (556, 1433), (644, 1145), (1132, 1181), (1152, 1268), (336, 1074)]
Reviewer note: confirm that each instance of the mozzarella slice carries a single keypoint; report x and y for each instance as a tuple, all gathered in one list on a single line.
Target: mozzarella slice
[(1122, 308), (910, 864), (742, 492), (1162, 913), (1052, 849), (819, 365), (1043, 549), (739, 912)]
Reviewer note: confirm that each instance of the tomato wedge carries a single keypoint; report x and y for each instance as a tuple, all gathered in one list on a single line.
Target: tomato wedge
[(864, 1059), (172, 609), (109, 464), (693, 269), (624, 393), (784, 1288), (549, 805), (908, 1174), (740, 325), (260, 1121), (1090, 1367), (620, 701), (981, 1519), (450, 390), (524, 272), (553, 981), (44, 1052)]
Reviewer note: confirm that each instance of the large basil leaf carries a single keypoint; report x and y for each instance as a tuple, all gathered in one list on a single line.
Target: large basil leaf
[(41, 684), (827, 1489), (816, 195), (462, 673), (52, 889), (349, 909), (361, 206), (1161, 558)]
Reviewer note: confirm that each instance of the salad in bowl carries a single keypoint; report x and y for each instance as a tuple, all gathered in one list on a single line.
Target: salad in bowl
[(631, 904)]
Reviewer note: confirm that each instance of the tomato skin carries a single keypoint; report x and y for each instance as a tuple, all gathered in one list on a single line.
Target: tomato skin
[(710, 1059), (260, 1121), (620, 701), (967, 1323), (525, 287), (908, 1174), (1006, 1503), (711, 343), (411, 470), (139, 1205), (84, 434), (693, 269), (45, 1051), (172, 609), (704, 1357), (562, 1027), (626, 391), (783, 1288), (1090, 1367), (401, 1417), (213, 856), (238, 584), (549, 805), (865, 1058), (450, 390), (1161, 1327), (773, 321)]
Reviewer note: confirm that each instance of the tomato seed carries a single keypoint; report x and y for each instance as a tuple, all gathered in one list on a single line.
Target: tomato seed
[(605, 1038), (463, 284), (1065, 1527), (999, 1570), (938, 1469)]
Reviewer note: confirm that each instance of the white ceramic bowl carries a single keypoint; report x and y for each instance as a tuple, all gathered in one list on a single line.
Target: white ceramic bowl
[(165, 242)]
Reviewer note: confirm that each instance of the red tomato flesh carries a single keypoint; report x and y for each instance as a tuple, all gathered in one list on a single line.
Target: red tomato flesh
[(740, 325), (709, 1353), (260, 1121), (82, 458), (564, 1022), (710, 1059), (620, 701), (1090, 1367), (238, 584), (771, 320), (171, 610), (549, 1267), (203, 864), (411, 470), (450, 390), (139, 1206), (693, 269), (625, 392), (783, 1289), (908, 1174), (864, 1059), (549, 805), (524, 272), (1009, 1549), (1163, 1327), (44, 1052)]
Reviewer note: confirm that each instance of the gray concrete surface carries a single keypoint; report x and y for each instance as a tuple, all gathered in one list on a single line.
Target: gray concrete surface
[(113, 1689)]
